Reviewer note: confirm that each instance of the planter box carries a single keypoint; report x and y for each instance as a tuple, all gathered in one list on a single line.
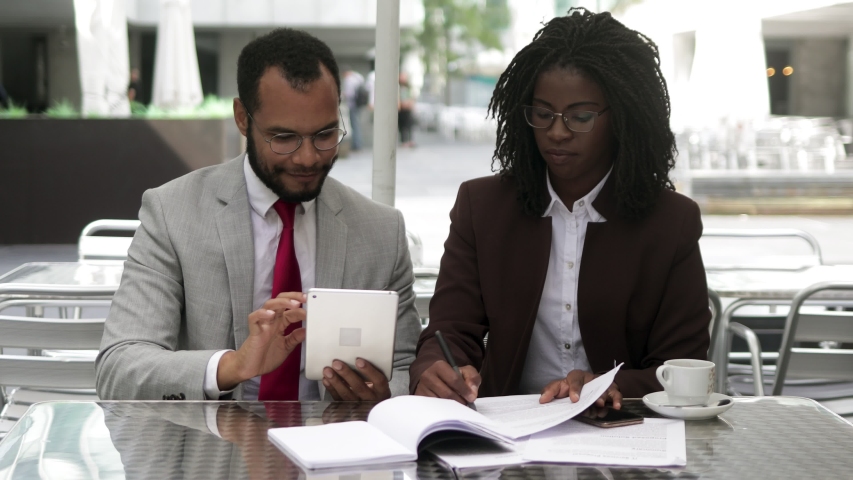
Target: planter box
[(57, 175)]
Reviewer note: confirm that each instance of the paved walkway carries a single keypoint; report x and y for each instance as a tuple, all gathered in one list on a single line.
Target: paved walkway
[(428, 178)]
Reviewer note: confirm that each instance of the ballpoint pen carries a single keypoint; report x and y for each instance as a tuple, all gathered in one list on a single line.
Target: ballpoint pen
[(449, 358)]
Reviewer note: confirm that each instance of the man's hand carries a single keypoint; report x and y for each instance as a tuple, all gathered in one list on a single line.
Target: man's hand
[(439, 380), (267, 346), (571, 387), (347, 385)]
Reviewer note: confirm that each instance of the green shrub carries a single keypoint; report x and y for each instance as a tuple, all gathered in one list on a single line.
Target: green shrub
[(62, 109), (14, 111), (211, 107)]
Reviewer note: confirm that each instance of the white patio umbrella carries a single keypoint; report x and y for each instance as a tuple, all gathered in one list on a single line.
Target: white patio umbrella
[(103, 56), (177, 83), (728, 82)]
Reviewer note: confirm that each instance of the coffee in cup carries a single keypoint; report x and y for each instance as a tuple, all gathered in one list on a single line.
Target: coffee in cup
[(686, 381)]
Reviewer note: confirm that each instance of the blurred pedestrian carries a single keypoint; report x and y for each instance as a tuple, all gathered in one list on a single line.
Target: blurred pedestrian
[(357, 97), (406, 111), (134, 89), (4, 98)]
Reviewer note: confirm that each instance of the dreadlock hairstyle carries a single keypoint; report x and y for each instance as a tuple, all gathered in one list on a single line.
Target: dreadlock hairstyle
[(626, 65)]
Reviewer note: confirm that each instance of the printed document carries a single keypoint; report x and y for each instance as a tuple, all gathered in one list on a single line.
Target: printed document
[(523, 415), (656, 442), (396, 428)]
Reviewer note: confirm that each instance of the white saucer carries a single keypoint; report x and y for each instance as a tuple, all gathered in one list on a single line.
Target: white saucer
[(659, 402)]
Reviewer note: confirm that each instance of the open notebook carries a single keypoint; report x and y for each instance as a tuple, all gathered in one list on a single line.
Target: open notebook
[(396, 428)]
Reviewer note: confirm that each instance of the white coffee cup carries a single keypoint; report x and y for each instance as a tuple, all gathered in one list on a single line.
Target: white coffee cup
[(686, 381)]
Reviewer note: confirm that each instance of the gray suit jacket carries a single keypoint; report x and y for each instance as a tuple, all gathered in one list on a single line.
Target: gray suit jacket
[(186, 291)]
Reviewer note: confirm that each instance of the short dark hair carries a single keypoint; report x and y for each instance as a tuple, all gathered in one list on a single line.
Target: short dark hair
[(626, 65), (296, 53)]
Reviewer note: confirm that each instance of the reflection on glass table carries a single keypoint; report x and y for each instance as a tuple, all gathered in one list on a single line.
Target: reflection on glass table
[(767, 437)]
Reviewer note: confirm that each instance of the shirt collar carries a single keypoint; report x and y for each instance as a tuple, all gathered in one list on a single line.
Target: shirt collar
[(583, 203), (261, 198)]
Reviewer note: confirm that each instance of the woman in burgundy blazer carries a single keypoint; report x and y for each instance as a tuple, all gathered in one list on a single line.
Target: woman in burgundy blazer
[(641, 289)]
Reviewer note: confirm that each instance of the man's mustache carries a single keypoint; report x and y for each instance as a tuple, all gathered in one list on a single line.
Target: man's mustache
[(302, 171)]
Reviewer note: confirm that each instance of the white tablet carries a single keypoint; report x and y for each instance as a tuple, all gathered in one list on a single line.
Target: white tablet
[(348, 324)]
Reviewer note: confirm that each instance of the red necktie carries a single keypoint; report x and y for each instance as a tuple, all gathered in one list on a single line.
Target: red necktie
[(283, 382)]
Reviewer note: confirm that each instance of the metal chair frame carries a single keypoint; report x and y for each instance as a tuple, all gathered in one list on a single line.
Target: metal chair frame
[(792, 324), (764, 233), (732, 329), (100, 226)]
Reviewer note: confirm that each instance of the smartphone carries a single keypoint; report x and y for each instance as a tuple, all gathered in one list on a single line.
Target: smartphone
[(613, 418)]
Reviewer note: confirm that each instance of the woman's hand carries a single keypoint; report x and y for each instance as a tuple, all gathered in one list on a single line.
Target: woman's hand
[(571, 387)]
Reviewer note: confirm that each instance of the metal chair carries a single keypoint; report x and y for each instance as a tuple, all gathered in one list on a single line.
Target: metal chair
[(812, 361), (51, 371), (91, 247), (424, 287), (736, 329), (416, 249)]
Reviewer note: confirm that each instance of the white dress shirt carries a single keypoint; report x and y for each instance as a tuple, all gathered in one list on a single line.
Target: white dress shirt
[(266, 232), (556, 347)]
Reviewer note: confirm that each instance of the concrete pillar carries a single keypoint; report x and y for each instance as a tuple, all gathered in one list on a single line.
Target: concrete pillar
[(63, 80), (848, 88), (231, 43)]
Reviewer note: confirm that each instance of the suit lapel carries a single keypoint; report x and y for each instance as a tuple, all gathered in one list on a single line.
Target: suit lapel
[(331, 237), (234, 225), (534, 244)]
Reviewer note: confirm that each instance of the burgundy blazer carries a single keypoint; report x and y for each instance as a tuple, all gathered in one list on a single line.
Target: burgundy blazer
[(642, 293)]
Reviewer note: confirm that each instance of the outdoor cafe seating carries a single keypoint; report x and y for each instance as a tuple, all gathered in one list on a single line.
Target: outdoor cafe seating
[(53, 344)]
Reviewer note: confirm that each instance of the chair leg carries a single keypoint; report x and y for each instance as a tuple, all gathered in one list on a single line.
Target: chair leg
[(752, 342)]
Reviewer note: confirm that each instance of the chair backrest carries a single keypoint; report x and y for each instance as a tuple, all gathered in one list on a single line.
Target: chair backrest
[(416, 248), (47, 372), (51, 333), (424, 288), (91, 247), (43, 334), (816, 326), (774, 262)]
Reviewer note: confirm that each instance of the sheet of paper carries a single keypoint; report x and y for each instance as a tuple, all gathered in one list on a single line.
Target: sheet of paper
[(339, 445), (656, 442), (523, 415), (482, 454)]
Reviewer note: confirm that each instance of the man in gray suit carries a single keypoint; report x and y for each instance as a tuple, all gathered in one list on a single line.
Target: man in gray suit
[(194, 316)]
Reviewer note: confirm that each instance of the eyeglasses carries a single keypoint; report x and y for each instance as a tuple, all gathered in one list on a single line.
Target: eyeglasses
[(285, 143), (580, 121)]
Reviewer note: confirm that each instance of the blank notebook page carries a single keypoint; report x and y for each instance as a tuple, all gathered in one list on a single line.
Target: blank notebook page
[(339, 444)]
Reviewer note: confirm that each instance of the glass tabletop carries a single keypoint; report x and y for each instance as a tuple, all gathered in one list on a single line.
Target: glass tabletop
[(766, 437), (63, 277), (775, 284)]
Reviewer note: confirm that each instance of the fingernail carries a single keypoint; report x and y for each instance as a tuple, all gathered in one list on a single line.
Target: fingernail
[(327, 373), (269, 313), (360, 363), (337, 365), (295, 303)]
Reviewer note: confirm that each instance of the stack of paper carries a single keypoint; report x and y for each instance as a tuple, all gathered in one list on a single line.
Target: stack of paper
[(396, 428)]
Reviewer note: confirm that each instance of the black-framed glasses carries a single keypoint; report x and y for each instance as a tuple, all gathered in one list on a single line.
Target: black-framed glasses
[(580, 121), (286, 143)]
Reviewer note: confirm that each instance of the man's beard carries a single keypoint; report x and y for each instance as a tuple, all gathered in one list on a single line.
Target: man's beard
[(271, 176)]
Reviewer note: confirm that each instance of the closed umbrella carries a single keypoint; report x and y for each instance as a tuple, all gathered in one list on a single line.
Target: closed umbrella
[(103, 57), (176, 79)]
